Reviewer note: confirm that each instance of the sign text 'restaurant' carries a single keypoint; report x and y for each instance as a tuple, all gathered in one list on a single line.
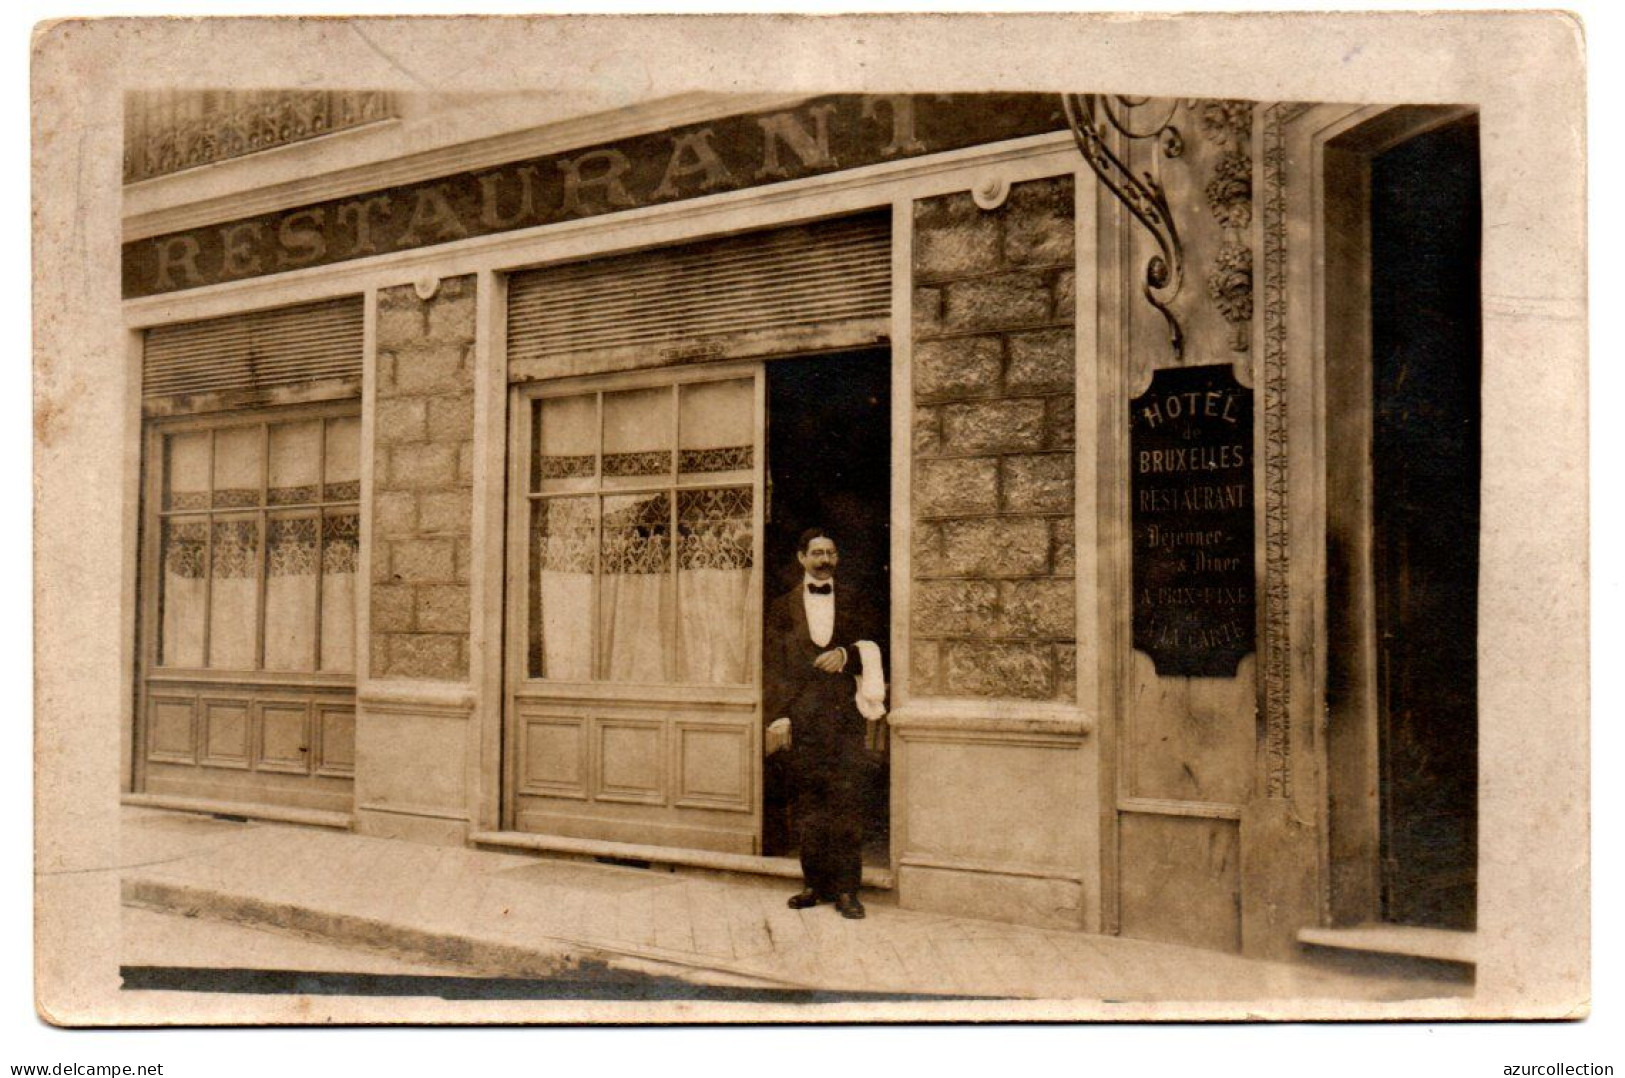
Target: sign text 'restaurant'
[(821, 135)]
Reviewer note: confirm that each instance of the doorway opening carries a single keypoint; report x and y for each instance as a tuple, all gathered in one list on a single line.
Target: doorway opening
[(1402, 568), (1425, 471), (829, 464)]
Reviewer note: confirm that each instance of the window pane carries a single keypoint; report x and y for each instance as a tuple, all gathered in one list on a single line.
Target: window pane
[(717, 424), (186, 472), (290, 593), (637, 438), (635, 601), (296, 450), (341, 530), (237, 466), (182, 591), (561, 575), (233, 593), (716, 589), (565, 443), (343, 478)]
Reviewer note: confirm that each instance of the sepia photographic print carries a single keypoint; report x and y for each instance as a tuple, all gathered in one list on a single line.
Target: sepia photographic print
[(755, 519)]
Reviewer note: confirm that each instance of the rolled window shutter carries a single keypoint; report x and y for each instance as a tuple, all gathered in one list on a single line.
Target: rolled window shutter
[(754, 294), (263, 350)]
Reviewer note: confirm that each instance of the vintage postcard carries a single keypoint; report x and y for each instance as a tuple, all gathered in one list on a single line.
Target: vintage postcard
[(783, 519)]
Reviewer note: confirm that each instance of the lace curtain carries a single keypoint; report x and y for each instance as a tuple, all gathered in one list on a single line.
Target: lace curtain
[(670, 608), (222, 532), (717, 593)]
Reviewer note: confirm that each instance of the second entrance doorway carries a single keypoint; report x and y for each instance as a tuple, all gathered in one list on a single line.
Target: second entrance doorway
[(829, 465)]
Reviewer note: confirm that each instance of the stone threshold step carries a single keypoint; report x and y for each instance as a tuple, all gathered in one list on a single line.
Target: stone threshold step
[(339, 821), (1438, 944), (546, 958), (880, 879)]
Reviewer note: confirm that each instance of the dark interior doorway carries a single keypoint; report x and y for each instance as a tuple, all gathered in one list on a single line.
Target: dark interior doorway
[(1425, 347), (829, 464)]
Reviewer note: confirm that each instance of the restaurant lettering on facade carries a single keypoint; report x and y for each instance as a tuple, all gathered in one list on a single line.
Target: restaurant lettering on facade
[(825, 134)]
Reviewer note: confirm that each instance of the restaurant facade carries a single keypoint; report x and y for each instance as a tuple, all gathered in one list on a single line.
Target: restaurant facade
[(472, 450)]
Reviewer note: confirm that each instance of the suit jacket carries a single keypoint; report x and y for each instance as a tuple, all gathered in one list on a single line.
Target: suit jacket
[(792, 685)]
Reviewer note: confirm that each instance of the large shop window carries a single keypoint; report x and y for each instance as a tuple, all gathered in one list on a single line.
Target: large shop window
[(251, 541), (642, 534), (258, 527), (250, 536), (637, 503)]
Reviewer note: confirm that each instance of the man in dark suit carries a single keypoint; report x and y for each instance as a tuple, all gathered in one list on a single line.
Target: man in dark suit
[(810, 660)]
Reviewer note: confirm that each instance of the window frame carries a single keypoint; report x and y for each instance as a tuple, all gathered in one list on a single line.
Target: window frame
[(154, 514), (526, 395)]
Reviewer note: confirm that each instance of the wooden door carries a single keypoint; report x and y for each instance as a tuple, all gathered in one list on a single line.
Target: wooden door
[(634, 616), (250, 535)]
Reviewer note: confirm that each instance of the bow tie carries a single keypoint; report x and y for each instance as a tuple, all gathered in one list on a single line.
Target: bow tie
[(821, 589)]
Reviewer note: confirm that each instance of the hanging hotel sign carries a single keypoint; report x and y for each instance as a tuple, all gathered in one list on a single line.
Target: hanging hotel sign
[(1191, 465), (822, 135)]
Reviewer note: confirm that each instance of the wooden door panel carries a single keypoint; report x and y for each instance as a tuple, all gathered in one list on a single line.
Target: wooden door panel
[(226, 729), (172, 733), (630, 763), (713, 766), (335, 740), (554, 757), (682, 775), (269, 744), (284, 741)]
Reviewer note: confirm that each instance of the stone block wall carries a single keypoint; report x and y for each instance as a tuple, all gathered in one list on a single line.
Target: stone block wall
[(423, 512), (994, 601)]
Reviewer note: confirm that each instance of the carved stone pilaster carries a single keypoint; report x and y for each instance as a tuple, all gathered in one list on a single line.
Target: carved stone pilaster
[(1228, 125), (1277, 649)]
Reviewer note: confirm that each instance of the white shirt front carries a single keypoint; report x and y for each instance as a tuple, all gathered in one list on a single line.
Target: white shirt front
[(820, 610)]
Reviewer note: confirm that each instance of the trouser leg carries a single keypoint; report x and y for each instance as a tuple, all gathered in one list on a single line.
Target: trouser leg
[(844, 836), (830, 771), (813, 838), (830, 819)]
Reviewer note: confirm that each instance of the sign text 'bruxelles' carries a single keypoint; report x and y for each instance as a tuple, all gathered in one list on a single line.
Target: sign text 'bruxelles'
[(1192, 511), (821, 135)]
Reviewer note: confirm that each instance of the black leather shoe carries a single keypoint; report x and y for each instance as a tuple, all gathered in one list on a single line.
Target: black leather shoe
[(803, 900), (849, 906)]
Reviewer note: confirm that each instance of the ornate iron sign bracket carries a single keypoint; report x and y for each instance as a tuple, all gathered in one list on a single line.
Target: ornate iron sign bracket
[(1089, 115)]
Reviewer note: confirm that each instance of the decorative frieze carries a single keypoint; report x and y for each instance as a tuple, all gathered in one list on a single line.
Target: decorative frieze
[(172, 130)]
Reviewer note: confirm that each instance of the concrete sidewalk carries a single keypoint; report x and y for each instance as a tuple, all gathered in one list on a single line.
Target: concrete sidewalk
[(518, 916)]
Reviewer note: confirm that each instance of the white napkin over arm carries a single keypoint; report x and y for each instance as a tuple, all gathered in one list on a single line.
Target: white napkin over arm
[(871, 681)]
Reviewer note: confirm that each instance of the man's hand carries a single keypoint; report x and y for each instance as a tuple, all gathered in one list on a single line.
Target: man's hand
[(832, 661), (778, 735)]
